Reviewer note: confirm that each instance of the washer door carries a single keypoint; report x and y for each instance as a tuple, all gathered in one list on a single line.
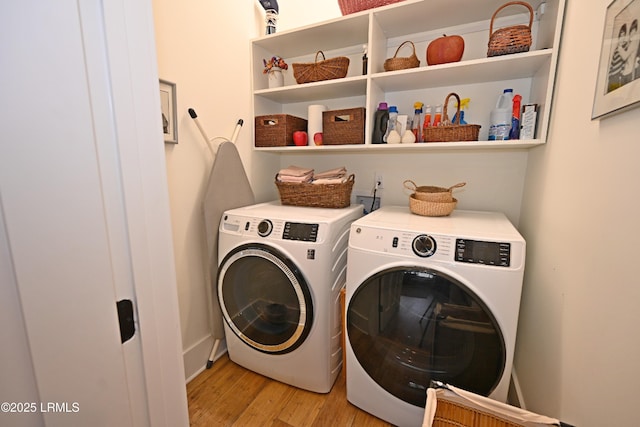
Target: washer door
[(264, 299), (410, 325)]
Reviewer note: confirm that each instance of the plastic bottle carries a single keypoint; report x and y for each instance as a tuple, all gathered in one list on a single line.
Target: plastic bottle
[(427, 118), (515, 118), (380, 121), (437, 118), (416, 124), (464, 103), (500, 118), (392, 136), (365, 60)]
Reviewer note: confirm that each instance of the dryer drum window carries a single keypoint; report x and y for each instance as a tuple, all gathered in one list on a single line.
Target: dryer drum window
[(264, 299), (410, 325)]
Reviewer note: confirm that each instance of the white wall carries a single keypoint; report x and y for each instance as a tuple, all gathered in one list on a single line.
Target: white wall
[(578, 346)]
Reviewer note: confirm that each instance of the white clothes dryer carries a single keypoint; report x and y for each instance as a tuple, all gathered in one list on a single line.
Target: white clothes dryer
[(430, 298), (281, 270)]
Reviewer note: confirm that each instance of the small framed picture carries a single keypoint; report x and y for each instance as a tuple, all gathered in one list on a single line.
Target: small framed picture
[(618, 84), (169, 111)]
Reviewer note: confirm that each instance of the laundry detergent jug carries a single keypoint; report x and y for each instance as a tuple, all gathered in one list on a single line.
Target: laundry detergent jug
[(500, 118)]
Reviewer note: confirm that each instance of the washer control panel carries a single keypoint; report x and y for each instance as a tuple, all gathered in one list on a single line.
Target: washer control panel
[(481, 252), (300, 231)]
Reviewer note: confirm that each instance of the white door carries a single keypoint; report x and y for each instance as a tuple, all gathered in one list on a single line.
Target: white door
[(85, 210)]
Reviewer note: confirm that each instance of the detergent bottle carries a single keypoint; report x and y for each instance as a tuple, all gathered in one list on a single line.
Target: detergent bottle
[(416, 124), (500, 118), (515, 118), (380, 122), (393, 136)]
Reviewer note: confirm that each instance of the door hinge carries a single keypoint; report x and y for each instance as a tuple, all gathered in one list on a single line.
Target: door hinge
[(125, 317)]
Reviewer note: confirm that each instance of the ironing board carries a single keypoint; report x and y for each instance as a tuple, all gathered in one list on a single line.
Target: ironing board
[(227, 188)]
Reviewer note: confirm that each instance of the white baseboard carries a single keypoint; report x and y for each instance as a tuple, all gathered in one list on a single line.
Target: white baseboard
[(196, 357), (515, 396)]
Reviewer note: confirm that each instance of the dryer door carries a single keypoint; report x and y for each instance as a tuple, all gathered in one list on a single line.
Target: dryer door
[(410, 325), (264, 298)]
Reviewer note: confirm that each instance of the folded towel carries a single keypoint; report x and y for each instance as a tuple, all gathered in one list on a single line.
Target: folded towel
[(288, 178), (338, 180), (295, 171), (331, 173)]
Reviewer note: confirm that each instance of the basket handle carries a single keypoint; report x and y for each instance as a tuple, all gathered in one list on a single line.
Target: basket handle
[(403, 43), (408, 181), (445, 115), (522, 3), (460, 184), (320, 53)]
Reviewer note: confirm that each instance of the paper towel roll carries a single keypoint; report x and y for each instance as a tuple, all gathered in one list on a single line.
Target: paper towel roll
[(314, 120)]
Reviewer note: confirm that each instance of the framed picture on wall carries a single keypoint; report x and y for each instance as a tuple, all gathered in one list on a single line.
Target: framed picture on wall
[(618, 84), (169, 111)]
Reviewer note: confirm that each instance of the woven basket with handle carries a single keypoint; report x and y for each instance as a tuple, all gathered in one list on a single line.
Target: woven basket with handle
[(513, 39), (449, 131), (353, 6), (326, 69), (402, 63), (430, 193)]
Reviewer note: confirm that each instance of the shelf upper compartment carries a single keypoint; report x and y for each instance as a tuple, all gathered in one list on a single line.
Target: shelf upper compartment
[(420, 16), (326, 36)]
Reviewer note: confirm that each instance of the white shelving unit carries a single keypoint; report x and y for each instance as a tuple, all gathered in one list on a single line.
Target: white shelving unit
[(531, 74)]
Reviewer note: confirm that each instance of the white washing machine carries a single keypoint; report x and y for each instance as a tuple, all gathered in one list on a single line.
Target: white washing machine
[(430, 298), (281, 269)]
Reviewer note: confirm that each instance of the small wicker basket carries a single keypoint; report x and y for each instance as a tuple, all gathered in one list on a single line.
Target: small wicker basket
[(426, 208), (449, 131), (353, 6), (326, 69), (316, 195), (429, 193), (402, 63), (513, 39)]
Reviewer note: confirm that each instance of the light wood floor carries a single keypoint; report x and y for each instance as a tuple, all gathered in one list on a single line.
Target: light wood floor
[(229, 395)]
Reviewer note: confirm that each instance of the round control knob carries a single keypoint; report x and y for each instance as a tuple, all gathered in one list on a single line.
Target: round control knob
[(424, 246), (264, 228)]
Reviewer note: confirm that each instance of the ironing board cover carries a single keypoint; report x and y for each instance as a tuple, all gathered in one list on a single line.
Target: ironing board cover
[(228, 188)]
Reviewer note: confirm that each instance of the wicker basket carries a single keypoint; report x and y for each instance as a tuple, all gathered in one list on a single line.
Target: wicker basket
[(327, 69), (448, 131), (426, 208), (316, 195), (276, 130), (353, 6), (343, 126), (452, 414), (402, 63), (514, 39), (428, 193)]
